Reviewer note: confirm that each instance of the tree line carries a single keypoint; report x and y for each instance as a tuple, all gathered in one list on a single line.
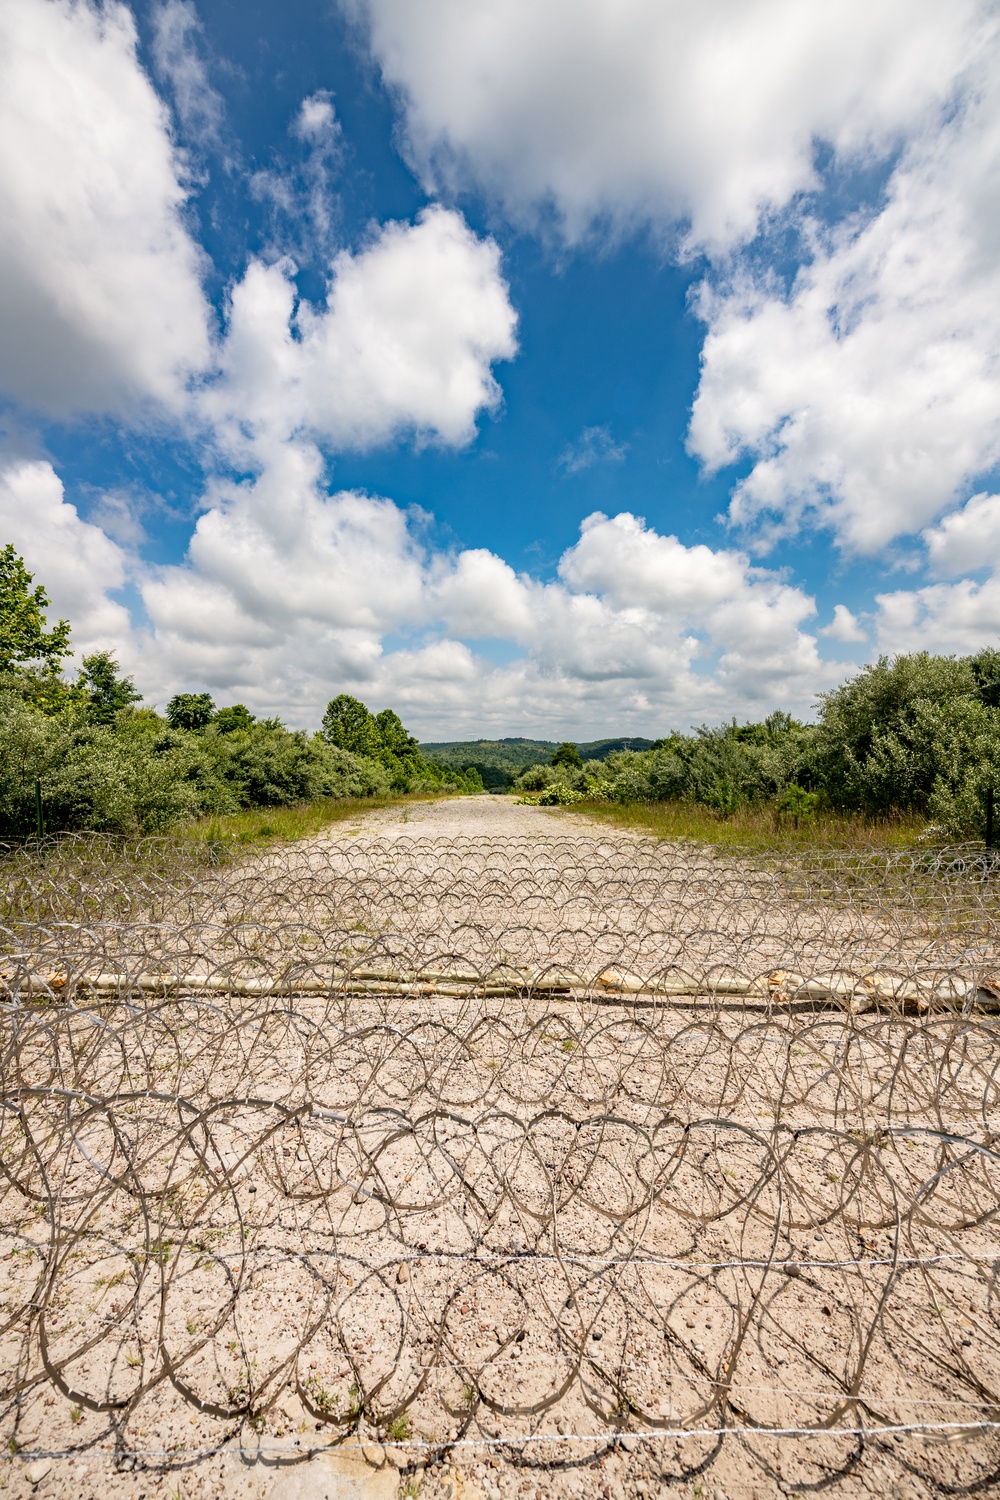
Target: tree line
[(106, 762), (917, 733)]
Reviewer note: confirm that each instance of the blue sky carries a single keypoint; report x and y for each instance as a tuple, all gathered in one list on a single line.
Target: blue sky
[(537, 367)]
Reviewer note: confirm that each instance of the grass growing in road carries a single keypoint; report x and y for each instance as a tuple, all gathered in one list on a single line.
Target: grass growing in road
[(301, 820), (756, 826)]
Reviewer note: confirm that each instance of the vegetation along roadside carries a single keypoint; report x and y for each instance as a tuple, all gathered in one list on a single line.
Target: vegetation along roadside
[(102, 761), (910, 744), (908, 748)]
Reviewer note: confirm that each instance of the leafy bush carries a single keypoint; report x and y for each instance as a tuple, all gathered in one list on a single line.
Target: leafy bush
[(131, 771), (536, 779), (266, 766), (919, 733), (726, 768), (797, 803), (111, 779), (556, 795), (138, 775)]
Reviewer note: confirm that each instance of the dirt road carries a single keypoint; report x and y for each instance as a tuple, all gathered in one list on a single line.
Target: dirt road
[(468, 817), (365, 1152)]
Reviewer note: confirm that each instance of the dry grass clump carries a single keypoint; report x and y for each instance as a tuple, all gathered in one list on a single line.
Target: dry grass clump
[(758, 827), (300, 820)]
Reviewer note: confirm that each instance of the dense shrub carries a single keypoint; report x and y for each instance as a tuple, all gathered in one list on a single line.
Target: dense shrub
[(139, 775), (734, 766), (266, 765), (109, 778), (136, 773), (107, 765), (920, 733), (916, 734)]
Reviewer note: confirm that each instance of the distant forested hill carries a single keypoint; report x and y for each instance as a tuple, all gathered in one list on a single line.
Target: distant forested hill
[(500, 761)]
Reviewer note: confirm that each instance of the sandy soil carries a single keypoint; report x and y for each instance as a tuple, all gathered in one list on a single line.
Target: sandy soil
[(469, 817)]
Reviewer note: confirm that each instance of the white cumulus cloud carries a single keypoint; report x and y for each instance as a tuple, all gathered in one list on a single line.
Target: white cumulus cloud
[(940, 617), (967, 540), (412, 325), (76, 563), (960, 616), (869, 395), (621, 112), (290, 594), (844, 626), (100, 298)]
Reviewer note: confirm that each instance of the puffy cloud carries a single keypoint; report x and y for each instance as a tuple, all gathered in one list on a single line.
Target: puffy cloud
[(288, 556), (290, 594), (480, 596), (709, 601), (967, 540), (316, 120), (941, 617), (100, 299), (844, 626), (632, 565), (411, 327), (619, 112), (869, 396), (77, 563), (958, 617)]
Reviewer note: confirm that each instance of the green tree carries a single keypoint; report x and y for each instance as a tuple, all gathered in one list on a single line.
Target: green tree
[(883, 733), (986, 672), (392, 736), (190, 710), (568, 755), (797, 802), (106, 689), (235, 718), (23, 637), (348, 724)]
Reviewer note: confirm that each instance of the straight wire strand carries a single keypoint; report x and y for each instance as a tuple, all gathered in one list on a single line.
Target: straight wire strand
[(898, 1429)]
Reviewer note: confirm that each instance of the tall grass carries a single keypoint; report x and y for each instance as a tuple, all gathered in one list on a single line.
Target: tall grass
[(300, 820), (757, 826)]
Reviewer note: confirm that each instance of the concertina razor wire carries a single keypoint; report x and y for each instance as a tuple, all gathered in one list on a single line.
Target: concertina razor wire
[(501, 1141)]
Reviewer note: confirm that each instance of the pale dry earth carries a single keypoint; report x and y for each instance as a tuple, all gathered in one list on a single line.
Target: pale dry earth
[(469, 817), (458, 1234)]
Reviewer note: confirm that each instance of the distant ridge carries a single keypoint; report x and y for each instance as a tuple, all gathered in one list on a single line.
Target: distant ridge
[(500, 761)]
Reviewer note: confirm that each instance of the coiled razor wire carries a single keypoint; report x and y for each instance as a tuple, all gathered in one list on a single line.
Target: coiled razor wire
[(516, 1142)]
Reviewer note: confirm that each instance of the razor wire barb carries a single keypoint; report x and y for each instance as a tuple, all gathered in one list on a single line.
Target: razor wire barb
[(500, 1141)]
